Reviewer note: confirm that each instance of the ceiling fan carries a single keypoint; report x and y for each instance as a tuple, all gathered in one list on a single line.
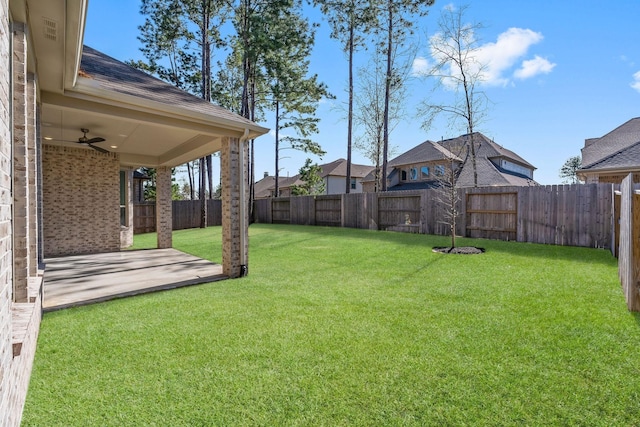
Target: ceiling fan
[(90, 141)]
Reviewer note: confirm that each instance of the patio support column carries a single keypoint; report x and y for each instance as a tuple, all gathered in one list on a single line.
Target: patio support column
[(164, 220), (32, 170), (20, 164), (235, 217)]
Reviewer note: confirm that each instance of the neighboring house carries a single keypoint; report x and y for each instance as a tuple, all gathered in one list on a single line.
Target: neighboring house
[(495, 165), (422, 166), (334, 176), (61, 195), (416, 169), (266, 187), (612, 157)]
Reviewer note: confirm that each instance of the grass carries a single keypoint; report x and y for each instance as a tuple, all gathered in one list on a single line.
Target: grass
[(350, 327)]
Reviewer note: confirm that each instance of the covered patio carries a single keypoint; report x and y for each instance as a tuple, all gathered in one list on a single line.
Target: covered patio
[(86, 279)]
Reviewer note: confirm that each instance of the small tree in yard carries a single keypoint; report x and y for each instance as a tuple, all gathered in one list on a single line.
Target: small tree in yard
[(447, 194), (313, 183)]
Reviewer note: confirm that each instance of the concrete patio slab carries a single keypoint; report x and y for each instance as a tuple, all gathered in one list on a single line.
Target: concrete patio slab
[(86, 279)]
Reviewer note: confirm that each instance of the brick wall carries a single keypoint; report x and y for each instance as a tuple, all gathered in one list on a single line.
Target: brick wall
[(233, 251), (81, 201), (6, 352)]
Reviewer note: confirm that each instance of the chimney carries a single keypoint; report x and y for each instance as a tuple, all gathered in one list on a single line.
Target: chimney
[(266, 174)]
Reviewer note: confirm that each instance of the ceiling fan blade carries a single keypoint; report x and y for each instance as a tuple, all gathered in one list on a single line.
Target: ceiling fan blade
[(102, 150), (94, 140)]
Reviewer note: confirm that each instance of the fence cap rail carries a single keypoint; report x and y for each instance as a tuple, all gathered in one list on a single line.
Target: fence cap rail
[(619, 193)]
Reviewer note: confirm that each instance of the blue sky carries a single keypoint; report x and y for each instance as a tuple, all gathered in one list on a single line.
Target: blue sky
[(561, 72)]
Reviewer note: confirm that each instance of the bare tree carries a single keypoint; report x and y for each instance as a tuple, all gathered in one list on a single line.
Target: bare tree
[(447, 196), (458, 69), (396, 19), (370, 106)]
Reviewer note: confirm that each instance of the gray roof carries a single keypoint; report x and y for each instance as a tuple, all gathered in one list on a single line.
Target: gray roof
[(117, 76), (426, 152), (488, 173), (617, 149), (339, 168), (627, 158), (335, 168), (485, 148), (266, 185)]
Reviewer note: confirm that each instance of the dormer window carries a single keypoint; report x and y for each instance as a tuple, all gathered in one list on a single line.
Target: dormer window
[(424, 172)]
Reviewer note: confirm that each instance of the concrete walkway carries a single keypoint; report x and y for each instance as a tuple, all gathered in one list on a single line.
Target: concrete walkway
[(86, 279)]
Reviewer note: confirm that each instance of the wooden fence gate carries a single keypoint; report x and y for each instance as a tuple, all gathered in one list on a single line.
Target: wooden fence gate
[(628, 244), (492, 215)]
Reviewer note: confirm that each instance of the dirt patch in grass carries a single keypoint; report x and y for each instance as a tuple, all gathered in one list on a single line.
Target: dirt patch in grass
[(465, 250)]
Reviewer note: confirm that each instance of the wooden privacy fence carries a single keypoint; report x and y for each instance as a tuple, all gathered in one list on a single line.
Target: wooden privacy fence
[(570, 215), (627, 210), (186, 214)]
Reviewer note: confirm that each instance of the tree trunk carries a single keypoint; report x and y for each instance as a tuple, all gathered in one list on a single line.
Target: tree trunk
[(350, 114), (387, 94), (210, 175), (190, 173), (277, 189)]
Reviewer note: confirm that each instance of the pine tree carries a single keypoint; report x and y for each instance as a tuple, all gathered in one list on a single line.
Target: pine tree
[(350, 21)]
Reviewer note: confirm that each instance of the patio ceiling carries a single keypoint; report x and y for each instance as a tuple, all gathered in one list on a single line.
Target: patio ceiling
[(145, 121)]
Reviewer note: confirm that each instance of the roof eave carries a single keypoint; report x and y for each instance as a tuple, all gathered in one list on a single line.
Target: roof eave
[(84, 89)]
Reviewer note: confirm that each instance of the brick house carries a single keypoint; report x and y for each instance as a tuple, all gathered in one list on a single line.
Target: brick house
[(61, 196), (613, 156), (421, 166), (334, 176)]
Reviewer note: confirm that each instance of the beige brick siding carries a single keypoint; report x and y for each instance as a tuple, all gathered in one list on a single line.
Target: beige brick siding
[(81, 201), (232, 175), (164, 223), (19, 321), (20, 165), (32, 223), (8, 401), (126, 232)]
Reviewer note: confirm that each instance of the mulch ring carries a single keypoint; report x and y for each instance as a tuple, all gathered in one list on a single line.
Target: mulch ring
[(466, 250)]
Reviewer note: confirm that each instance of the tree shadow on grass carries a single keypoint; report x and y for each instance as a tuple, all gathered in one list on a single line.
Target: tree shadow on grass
[(528, 250)]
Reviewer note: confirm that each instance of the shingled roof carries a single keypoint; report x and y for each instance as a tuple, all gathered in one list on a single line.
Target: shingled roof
[(617, 149), (115, 76), (426, 152)]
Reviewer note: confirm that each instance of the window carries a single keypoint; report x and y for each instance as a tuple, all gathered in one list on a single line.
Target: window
[(413, 173), (424, 172), (403, 175), (353, 183), (439, 170), (123, 198)]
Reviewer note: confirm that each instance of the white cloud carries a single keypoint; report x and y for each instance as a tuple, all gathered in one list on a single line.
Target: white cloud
[(500, 57), (636, 81), (533, 67), (420, 67)]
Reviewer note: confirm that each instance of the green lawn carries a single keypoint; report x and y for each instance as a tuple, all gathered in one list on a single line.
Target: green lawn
[(343, 327)]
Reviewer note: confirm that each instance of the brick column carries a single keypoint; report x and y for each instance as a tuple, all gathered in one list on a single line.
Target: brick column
[(126, 232), (235, 235), (32, 169), (20, 164), (164, 207)]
